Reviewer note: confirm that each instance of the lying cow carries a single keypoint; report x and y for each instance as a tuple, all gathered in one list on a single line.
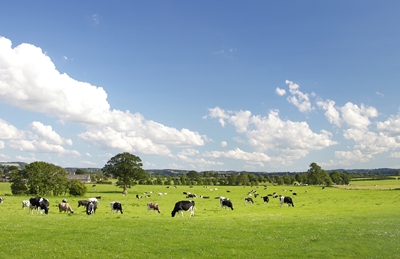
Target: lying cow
[(25, 204), (40, 204), (91, 207), (286, 200), (181, 206), (1, 200), (65, 207), (153, 206), (82, 203), (116, 207), (225, 202), (248, 200), (191, 195)]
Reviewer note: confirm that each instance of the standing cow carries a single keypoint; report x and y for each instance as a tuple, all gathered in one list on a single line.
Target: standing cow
[(25, 204), (265, 199), (116, 207), (65, 207), (91, 208), (286, 200), (181, 206), (153, 206), (40, 204), (225, 202)]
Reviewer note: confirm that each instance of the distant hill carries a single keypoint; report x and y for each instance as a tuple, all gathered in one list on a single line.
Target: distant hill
[(175, 172)]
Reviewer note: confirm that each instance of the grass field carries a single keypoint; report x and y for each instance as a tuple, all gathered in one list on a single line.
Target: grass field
[(338, 222)]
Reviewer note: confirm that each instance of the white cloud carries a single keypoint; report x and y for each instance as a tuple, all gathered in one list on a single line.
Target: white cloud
[(395, 155), (390, 126), (30, 81), (332, 114), (239, 154), (26, 159), (4, 157), (224, 144), (357, 117), (350, 157), (298, 98), (8, 131), (280, 91), (284, 139), (1, 144)]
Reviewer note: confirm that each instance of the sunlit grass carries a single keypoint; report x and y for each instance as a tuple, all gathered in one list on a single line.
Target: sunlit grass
[(325, 223)]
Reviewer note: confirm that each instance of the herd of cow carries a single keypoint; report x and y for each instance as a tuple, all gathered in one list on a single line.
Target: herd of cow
[(41, 204)]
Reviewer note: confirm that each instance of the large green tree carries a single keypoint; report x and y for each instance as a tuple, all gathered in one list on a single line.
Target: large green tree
[(316, 175), (126, 168), (46, 179)]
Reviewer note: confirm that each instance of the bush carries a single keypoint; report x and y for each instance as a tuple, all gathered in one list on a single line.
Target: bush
[(104, 182), (76, 188)]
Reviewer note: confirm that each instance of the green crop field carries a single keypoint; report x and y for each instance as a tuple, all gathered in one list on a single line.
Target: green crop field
[(361, 220)]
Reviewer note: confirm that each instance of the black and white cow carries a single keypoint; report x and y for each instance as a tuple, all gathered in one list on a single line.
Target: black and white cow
[(40, 204), (191, 195), (248, 200), (265, 199), (225, 202), (138, 196), (286, 200), (91, 207), (116, 207), (181, 206), (1, 200), (25, 204)]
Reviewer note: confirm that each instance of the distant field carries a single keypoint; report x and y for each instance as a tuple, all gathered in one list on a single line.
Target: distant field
[(325, 223)]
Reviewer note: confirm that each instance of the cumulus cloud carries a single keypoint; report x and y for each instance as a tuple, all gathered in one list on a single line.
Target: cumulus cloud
[(357, 117), (280, 91), (30, 81), (1, 144), (224, 144), (391, 126), (332, 114), (38, 138), (285, 139), (298, 98), (9, 131)]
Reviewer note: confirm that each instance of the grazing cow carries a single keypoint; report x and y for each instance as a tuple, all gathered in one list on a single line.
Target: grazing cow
[(40, 204), (225, 202), (1, 200), (286, 200), (94, 200), (63, 206), (116, 207), (181, 206), (25, 204), (138, 196), (204, 197), (91, 207), (160, 194), (82, 203), (153, 206), (191, 195), (248, 200), (265, 199), (98, 197), (295, 194)]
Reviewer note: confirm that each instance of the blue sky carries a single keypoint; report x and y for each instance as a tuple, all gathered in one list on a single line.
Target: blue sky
[(207, 85)]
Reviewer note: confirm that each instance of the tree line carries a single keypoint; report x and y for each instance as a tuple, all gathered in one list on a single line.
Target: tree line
[(41, 178)]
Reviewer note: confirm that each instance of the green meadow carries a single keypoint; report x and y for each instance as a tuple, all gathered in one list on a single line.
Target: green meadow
[(361, 220)]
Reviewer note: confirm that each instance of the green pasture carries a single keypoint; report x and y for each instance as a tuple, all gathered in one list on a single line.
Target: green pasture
[(334, 222)]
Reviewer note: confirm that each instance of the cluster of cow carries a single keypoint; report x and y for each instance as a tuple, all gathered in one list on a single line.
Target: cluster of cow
[(41, 204)]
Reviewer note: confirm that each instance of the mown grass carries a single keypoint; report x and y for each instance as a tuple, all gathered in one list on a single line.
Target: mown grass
[(325, 223)]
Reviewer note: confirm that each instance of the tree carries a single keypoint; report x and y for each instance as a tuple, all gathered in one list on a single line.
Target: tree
[(80, 171), (46, 179), (126, 168), (316, 175), (76, 188), (18, 186)]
